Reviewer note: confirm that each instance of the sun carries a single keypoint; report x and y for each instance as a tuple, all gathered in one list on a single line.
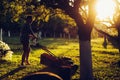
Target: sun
[(105, 9)]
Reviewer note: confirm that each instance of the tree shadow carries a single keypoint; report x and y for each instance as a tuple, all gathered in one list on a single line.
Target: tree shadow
[(116, 63), (12, 72), (105, 52), (4, 61)]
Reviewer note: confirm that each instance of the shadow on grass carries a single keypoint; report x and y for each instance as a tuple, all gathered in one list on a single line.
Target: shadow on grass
[(116, 63), (105, 52), (3, 61), (110, 53), (11, 72)]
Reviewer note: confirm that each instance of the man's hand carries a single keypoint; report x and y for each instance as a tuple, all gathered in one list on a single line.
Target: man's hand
[(32, 36)]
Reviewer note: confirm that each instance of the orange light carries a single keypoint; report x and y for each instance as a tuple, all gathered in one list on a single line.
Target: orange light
[(105, 9)]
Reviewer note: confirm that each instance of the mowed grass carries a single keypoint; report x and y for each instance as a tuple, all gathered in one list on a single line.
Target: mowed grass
[(105, 65)]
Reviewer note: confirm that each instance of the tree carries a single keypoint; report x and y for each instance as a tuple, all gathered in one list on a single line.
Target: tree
[(112, 31), (71, 7), (117, 22), (9, 12)]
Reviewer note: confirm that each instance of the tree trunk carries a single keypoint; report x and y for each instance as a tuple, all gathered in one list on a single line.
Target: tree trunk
[(8, 33), (44, 34), (1, 32), (84, 33), (119, 39), (85, 61), (54, 34), (60, 35), (69, 37)]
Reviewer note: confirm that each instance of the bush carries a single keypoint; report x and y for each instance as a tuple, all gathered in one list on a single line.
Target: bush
[(5, 51)]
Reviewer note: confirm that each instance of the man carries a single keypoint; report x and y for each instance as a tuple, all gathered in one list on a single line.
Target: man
[(26, 33)]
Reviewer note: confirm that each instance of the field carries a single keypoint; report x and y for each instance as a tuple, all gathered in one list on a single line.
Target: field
[(105, 61)]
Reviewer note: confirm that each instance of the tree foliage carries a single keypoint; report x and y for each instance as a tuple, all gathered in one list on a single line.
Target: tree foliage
[(14, 12), (111, 27)]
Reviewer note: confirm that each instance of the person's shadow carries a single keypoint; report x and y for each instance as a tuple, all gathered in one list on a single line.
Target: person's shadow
[(12, 72)]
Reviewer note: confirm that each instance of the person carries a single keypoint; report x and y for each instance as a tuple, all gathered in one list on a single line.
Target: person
[(25, 35)]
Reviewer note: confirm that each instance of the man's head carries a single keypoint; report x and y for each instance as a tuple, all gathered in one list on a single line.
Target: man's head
[(29, 19)]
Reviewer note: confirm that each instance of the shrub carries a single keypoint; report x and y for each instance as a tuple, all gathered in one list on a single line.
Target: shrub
[(5, 51)]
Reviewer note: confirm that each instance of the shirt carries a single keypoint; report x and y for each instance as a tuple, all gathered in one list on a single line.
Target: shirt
[(25, 32)]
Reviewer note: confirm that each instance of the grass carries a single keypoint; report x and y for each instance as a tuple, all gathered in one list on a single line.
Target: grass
[(104, 60)]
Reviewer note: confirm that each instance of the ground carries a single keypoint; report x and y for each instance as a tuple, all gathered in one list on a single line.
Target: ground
[(105, 66)]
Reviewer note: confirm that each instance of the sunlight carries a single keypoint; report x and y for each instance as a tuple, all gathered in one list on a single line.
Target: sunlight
[(105, 9)]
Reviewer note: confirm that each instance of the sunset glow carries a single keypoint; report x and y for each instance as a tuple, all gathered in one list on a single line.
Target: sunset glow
[(105, 9)]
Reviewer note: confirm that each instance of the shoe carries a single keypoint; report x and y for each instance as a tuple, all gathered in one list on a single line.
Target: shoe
[(22, 66), (27, 63)]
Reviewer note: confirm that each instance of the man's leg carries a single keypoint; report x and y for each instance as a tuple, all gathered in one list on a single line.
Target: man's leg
[(27, 53), (23, 55)]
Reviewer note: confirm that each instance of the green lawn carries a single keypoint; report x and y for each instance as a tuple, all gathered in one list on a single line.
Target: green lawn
[(104, 60)]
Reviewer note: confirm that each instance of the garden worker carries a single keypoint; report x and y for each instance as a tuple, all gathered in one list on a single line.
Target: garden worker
[(25, 35)]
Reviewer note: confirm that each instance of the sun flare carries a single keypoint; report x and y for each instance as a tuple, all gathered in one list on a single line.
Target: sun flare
[(105, 9)]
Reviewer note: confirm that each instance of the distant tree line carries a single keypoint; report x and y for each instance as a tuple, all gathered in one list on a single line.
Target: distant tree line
[(52, 22)]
